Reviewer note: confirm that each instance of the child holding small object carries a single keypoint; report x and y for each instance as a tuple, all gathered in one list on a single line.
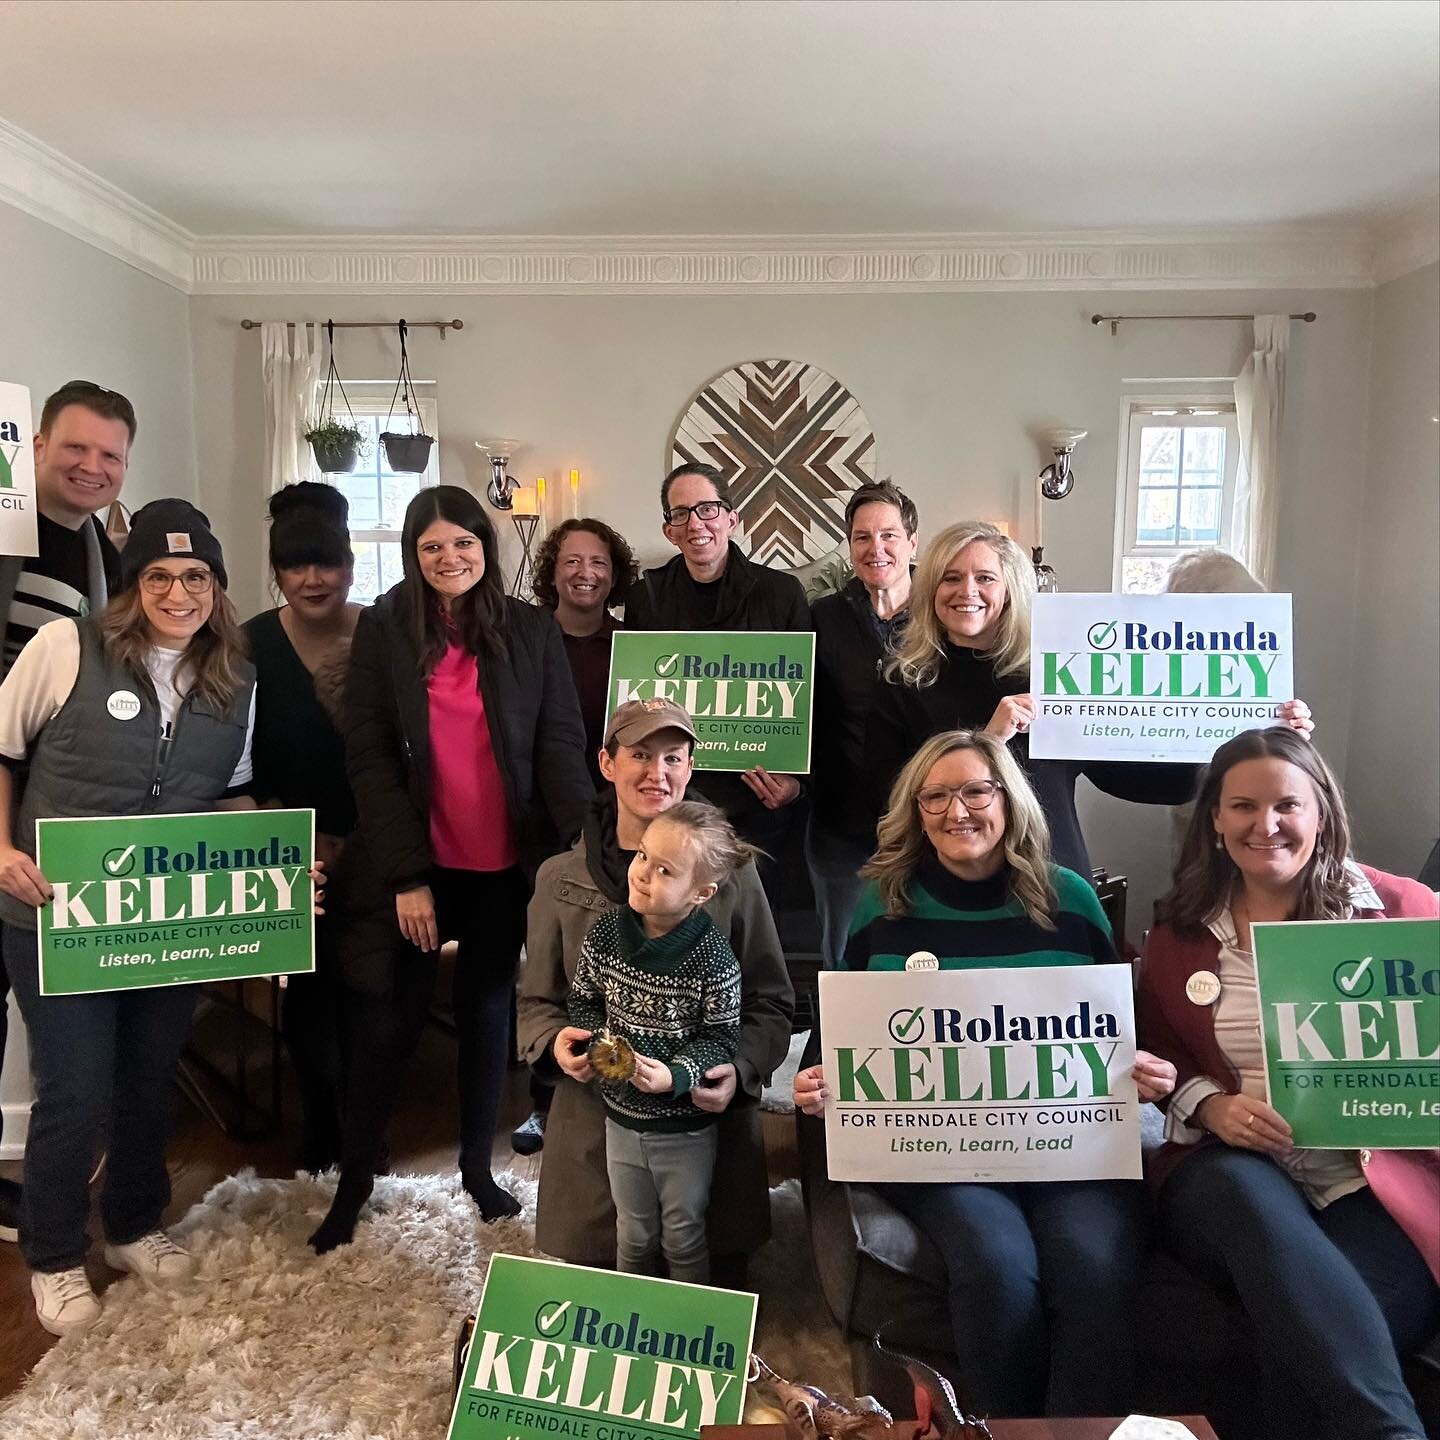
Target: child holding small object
[(658, 989)]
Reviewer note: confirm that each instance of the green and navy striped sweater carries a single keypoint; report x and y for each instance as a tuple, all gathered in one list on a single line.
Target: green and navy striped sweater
[(978, 924), (675, 998)]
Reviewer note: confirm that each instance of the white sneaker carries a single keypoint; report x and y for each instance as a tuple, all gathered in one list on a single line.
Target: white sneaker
[(64, 1302), (155, 1258)]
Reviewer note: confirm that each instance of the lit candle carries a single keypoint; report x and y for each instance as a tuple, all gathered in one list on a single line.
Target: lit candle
[(574, 494), (1003, 526), (525, 502), (540, 496)]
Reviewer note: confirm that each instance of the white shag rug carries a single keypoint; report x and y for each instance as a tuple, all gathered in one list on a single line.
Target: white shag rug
[(270, 1342)]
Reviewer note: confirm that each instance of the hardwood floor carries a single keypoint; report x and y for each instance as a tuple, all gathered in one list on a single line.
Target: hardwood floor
[(422, 1140)]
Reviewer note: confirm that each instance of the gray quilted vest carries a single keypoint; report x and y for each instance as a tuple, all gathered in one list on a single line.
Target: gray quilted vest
[(88, 761)]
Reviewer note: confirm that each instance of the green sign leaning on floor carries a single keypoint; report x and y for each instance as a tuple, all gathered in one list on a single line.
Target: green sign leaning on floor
[(175, 899), (565, 1350), (749, 693), (1351, 1012)]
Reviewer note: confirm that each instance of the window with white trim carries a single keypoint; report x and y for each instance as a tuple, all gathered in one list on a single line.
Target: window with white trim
[(1177, 487), (378, 495)]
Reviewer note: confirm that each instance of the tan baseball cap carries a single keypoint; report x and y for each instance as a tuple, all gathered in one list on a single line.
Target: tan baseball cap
[(637, 720)]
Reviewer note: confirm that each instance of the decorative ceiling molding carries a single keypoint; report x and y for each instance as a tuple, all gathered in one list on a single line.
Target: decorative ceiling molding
[(50, 186), (803, 265), (1408, 242)]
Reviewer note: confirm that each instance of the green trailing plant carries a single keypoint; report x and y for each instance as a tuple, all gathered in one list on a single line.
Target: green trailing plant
[(333, 434)]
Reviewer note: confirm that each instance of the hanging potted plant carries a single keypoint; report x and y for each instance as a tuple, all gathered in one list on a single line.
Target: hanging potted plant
[(406, 452), (337, 446)]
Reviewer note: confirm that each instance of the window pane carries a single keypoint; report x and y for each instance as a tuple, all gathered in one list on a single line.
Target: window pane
[(362, 491), (1200, 516), (1204, 455), (367, 586), (1157, 517), (392, 569), (1160, 451), (1143, 574), (398, 491)]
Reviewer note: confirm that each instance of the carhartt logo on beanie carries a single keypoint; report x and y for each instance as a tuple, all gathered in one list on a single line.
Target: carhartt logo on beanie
[(169, 528)]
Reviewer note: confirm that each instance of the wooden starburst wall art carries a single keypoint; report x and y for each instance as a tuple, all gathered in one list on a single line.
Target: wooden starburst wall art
[(794, 444)]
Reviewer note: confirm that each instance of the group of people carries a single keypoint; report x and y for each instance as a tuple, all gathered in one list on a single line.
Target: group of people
[(470, 787)]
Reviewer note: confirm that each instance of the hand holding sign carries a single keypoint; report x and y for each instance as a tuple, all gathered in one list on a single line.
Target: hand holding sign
[(1245, 1124), (21, 877), (810, 1093), (1014, 715)]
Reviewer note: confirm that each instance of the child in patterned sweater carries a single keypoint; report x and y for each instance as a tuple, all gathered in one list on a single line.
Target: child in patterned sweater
[(658, 976)]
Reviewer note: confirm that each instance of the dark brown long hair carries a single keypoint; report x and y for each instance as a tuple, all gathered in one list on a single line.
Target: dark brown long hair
[(478, 614), (623, 570), (1205, 874), (212, 659)]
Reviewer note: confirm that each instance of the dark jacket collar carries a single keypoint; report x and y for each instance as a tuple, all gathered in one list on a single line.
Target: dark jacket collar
[(736, 582)]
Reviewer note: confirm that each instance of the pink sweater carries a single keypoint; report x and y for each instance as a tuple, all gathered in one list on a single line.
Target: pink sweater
[(470, 824)]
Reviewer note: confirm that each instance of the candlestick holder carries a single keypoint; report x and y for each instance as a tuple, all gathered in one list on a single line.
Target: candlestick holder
[(525, 571)]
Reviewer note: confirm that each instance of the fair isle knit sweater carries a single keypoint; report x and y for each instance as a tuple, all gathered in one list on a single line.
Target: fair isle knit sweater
[(675, 998)]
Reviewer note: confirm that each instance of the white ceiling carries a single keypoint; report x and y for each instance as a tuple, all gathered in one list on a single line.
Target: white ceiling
[(761, 117)]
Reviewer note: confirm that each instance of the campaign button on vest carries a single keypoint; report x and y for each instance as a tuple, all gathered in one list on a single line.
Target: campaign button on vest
[(1203, 988), (922, 960), (123, 704)]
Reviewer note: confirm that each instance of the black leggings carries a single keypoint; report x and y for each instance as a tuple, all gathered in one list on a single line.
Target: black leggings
[(485, 913)]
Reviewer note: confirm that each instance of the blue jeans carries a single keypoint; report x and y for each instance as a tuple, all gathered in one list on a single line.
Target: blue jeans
[(834, 862), (661, 1187), (1334, 1294), (1043, 1282), (100, 1063)]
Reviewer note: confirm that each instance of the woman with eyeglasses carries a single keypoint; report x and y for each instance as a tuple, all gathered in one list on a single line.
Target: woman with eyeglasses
[(464, 747), (965, 661), (1042, 1275), (147, 708), (712, 585)]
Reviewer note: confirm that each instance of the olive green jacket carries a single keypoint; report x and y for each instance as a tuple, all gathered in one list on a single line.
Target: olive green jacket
[(576, 1220)]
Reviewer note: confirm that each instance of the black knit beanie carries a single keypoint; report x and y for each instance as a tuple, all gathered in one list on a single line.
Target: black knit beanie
[(169, 530)]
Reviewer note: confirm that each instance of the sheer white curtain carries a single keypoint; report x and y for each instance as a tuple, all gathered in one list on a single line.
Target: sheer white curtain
[(292, 360), (1259, 413)]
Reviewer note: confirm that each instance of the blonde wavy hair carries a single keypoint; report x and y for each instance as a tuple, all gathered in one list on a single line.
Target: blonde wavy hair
[(213, 659), (921, 652), (901, 841)]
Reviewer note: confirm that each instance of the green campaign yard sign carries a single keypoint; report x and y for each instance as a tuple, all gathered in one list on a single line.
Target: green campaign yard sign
[(749, 692), (175, 899), (1351, 1012), (563, 1350)]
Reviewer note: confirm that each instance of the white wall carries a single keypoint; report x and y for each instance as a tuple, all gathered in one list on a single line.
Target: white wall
[(952, 384), (1393, 778), (71, 312)]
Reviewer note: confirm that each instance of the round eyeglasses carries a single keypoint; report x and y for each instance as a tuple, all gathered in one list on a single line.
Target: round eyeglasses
[(973, 795), (160, 582), (705, 510)]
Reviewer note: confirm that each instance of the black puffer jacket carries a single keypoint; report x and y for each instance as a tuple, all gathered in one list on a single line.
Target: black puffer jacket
[(539, 744)]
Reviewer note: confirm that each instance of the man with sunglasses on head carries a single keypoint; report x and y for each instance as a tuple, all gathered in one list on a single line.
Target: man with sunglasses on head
[(81, 451), (712, 585)]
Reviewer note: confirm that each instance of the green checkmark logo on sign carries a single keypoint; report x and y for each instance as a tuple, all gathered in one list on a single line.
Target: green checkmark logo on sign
[(907, 1026), (666, 664), (1102, 635), (1355, 977), (550, 1317)]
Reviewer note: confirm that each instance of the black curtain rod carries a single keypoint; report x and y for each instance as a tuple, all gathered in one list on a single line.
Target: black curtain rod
[(1114, 321), (441, 325)]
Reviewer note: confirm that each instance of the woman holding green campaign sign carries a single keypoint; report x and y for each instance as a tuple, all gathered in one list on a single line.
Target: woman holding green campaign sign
[(464, 746), (1333, 1255), (1043, 1276), (965, 660), (145, 709)]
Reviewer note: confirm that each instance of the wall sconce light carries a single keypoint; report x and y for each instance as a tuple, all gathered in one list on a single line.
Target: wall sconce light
[(1057, 479), (502, 487)]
